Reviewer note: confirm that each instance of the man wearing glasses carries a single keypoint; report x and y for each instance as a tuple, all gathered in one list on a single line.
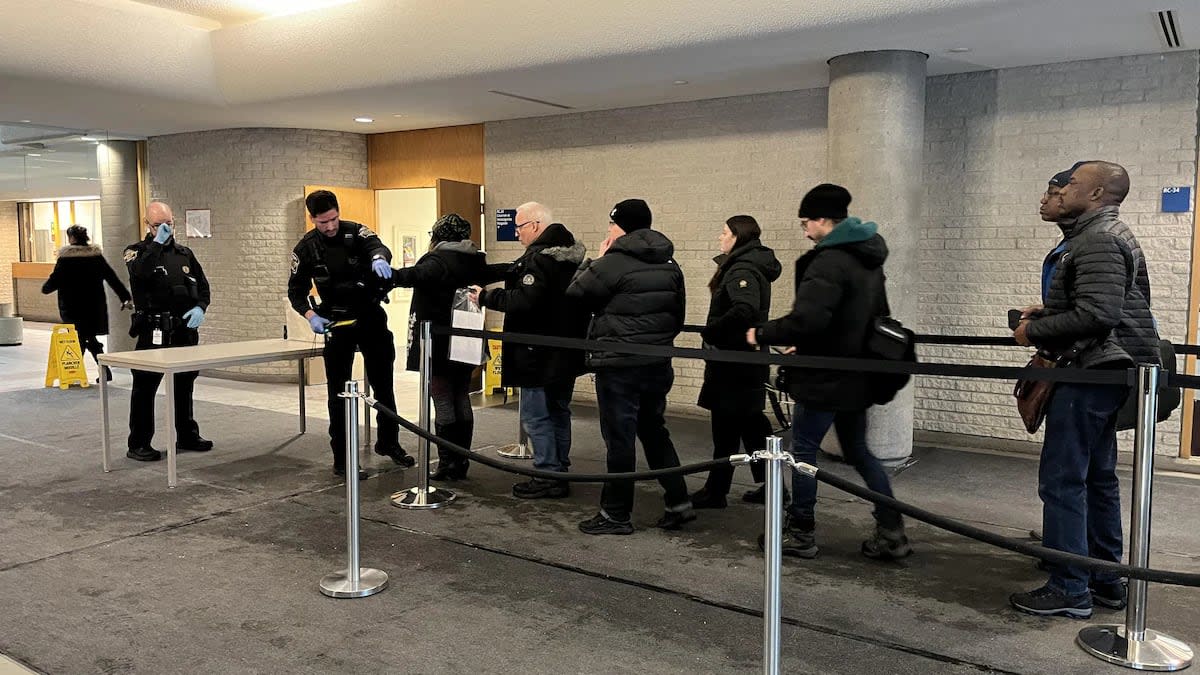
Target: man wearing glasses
[(170, 296), (534, 301)]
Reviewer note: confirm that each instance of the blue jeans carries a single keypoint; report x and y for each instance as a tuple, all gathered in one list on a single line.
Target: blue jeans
[(808, 428), (546, 417), (632, 402), (1077, 480)]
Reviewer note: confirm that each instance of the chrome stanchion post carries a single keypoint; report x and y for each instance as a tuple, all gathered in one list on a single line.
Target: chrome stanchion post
[(522, 449), (1133, 645), (772, 549), (423, 496), (354, 581)]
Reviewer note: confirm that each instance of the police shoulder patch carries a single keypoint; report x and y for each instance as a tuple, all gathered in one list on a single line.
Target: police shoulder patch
[(527, 280), (365, 232), (130, 254), (295, 262)]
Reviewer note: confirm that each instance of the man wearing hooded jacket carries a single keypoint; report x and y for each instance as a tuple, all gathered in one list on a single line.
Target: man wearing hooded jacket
[(635, 292), (839, 292), (534, 301)]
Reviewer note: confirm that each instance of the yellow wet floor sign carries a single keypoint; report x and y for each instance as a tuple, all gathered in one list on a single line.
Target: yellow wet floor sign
[(65, 364)]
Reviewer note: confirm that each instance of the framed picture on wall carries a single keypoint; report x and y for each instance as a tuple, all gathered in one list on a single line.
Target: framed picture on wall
[(409, 253)]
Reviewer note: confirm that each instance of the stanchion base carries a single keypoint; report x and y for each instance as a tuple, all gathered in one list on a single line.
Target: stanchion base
[(415, 498), (515, 451), (370, 582), (1157, 652)]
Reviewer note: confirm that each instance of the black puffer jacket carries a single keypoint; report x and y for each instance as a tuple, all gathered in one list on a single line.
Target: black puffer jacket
[(839, 292), (79, 276), (741, 299), (434, 279), (534, 300), (1100, 295), (635, 294)]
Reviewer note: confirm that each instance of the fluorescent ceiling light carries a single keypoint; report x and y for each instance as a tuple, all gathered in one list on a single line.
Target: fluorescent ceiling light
[(285, 7), (363, 120)]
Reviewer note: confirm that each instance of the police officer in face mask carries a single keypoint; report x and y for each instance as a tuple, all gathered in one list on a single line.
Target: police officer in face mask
[(170, 296), (347, 262)]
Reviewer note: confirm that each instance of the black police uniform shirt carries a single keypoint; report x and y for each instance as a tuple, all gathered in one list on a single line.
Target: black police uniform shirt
[(336, 265), (165, 279)]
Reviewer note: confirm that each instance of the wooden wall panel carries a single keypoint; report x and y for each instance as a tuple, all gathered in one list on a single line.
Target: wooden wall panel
[(412, 159), (357, 204)]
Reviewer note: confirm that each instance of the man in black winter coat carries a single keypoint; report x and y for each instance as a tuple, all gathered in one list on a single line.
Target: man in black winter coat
[(534, 301), (635, 293), (839, 292), (1097, 306)]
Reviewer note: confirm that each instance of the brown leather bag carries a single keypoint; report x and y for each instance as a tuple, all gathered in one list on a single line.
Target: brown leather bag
[(1034, 395)]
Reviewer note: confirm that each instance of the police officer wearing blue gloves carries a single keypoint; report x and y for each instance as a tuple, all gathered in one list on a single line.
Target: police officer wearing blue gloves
[(170, 296), (348, 263)]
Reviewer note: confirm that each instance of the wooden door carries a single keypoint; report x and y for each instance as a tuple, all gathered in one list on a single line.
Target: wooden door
[(465, 200)]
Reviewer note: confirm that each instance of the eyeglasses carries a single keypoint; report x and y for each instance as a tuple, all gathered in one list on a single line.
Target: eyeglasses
[(518, 227)]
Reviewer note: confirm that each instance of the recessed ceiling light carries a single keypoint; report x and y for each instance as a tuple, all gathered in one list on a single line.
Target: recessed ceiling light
[(86, 138), (959, 50), (679, 82), (398, 115), (24, 121), (33, 154), (364, 120)]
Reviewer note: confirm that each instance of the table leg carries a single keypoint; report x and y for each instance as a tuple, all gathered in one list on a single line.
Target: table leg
[(104, 414), (172, 476), (303, 421)]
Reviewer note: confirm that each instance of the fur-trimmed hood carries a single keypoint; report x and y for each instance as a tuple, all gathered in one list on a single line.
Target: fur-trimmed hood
[(78, 251)]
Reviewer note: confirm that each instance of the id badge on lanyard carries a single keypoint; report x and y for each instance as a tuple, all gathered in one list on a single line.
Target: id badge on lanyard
[(156, 337)]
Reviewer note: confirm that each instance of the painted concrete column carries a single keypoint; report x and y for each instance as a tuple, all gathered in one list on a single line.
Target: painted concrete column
[(876, 139), (116, 162)]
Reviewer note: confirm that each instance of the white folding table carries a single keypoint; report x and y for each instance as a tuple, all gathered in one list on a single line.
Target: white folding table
[(173, 360)]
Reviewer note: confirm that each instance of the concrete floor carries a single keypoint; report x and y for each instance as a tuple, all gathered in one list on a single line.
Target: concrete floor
[(117, 574)]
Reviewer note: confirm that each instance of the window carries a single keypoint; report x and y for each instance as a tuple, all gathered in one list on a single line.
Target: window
[(43, 226)]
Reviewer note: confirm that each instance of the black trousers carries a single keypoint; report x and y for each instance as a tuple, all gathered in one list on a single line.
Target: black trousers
[(632, 402), (453, 417), (145, 387), (371, 336), (91, 343), (731, 429)]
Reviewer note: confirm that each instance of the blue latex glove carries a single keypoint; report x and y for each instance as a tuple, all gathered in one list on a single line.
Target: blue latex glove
[(319, 324), (381, 268), (164, 233), (194, 316)]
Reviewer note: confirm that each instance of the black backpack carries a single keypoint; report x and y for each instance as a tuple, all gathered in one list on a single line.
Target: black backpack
[(889, 340)]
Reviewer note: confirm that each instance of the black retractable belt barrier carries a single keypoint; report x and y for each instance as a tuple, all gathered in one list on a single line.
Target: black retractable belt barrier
[(1071, 375), (1017, 546), (654, 474)]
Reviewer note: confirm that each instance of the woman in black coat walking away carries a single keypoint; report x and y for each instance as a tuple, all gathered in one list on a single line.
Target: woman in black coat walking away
[(735, 393), (79, 277), (453, 262)]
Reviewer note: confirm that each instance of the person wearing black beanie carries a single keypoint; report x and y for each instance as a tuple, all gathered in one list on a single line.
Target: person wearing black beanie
[(839, 293), (634, 292)]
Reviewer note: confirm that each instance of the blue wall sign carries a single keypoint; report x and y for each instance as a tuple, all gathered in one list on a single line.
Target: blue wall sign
[(1176, 199), (506, 225)]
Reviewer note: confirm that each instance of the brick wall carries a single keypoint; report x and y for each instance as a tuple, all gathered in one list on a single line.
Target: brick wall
[(992, 141), (993, 138), (10, 251), (253, 182), (696, 164)]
